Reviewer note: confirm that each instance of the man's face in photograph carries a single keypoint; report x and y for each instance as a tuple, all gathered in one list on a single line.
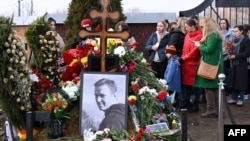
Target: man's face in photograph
[(104, 97)]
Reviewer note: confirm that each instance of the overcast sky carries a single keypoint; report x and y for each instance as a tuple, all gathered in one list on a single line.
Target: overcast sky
[(41, 6)]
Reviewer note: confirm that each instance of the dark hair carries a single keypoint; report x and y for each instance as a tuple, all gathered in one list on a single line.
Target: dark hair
[(167, 24), (105, 81), (194, 17), (227, 22), (123, 25), (191, 22), (50, 19), (173, 23), (240, 27), (246, 27)]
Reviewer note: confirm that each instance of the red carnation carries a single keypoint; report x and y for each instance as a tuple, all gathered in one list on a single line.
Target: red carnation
[(162, 95), (131, 66)]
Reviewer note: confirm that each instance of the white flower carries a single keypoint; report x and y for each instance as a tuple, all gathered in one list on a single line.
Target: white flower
[(144, 61), (71, 88), (152, 91), (99, 132), (33, 77), (143, 90), (96, 48), (162, 81), (120, 51), (106, 130), (88, 135)]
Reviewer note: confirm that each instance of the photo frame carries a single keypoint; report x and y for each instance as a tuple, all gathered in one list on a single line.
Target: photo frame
[(99, 107)]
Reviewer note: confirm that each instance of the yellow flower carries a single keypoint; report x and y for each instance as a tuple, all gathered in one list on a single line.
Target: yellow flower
[(84, 60), (73, 62), (132, 97)]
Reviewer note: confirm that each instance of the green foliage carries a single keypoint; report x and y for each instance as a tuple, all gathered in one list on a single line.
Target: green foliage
[(79, 9), (38, 27), (146, 105)]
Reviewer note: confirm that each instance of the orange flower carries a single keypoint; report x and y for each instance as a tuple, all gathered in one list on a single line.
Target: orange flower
[(56, 105)]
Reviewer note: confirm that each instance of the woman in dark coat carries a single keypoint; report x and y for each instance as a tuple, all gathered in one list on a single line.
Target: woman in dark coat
[(238, 73), (176, 39), (177, 35), (155, 46)]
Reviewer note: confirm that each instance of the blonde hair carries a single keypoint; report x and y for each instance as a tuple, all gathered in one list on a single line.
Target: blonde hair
[(181, 24), (165, 30), (164, 24), (209, 26)]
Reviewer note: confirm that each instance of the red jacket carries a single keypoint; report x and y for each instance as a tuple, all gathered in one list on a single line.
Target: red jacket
[(190, 56)]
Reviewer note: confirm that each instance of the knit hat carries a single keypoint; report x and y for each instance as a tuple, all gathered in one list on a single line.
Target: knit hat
[(86, 23), (171, 50)]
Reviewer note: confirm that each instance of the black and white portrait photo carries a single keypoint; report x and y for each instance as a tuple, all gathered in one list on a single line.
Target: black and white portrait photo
[(103, 101)]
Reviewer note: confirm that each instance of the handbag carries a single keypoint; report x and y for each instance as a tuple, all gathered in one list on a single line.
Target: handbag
[(208, 71)]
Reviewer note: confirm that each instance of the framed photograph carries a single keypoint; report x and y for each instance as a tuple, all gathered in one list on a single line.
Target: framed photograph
[(103, 101)]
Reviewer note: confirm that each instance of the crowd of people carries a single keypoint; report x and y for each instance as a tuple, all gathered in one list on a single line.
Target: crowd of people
[(176, 48)]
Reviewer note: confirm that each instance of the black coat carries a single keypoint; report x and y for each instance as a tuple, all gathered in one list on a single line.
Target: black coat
[(238, 74), (176, 38)]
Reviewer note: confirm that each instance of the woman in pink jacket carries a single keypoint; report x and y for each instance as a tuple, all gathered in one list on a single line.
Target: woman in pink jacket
[(189, 61)]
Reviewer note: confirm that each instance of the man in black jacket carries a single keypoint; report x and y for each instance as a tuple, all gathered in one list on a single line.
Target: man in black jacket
[(106, 99)]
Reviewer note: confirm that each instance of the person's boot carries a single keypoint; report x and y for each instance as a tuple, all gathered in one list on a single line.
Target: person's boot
[(194, 107), (211, 111)]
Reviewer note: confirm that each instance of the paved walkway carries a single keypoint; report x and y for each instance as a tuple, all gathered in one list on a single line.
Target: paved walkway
[(206, 129)]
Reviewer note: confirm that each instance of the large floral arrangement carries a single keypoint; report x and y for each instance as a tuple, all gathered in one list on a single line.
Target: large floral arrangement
[(148, 100), (75, 60), (14, 80), (148, 96)]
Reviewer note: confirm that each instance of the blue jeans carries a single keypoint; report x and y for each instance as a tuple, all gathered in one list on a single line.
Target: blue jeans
[(188, 90), (238, 94)]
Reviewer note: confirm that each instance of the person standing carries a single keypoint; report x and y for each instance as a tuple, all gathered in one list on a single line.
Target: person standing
[(123, 26), (210, 47), (155, 46), (52, 23), (106, 100), (86, 24), (177, 35), (189, 61), (247, 32), (173, 74), (238, 74), (176, 39), (227, 34)]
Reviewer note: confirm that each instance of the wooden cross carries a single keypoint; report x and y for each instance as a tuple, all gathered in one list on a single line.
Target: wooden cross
[(104, 34)]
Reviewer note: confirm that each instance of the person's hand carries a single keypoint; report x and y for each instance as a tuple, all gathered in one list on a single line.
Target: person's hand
[(177, 62), (231, 57), (155, 47), (196, 43)]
